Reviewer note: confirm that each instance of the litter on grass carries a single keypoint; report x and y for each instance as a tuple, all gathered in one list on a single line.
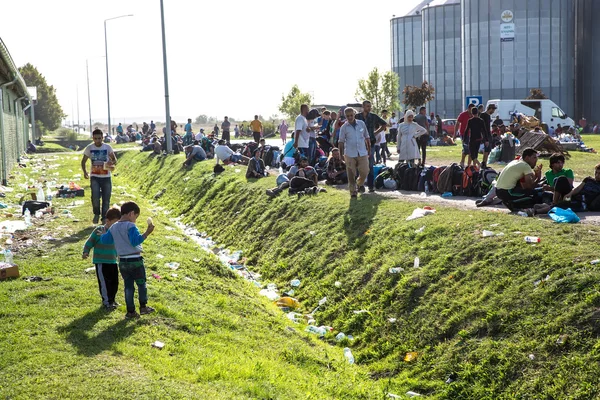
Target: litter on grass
[(420, 213), (172, 265), (158, 344), (410, 356)]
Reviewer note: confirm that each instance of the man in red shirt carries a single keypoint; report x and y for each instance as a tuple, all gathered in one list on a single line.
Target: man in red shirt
[(461, 127)]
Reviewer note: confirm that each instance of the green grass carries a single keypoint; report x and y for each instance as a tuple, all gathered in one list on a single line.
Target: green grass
[(52, 147), (222, 339), (473, 308)]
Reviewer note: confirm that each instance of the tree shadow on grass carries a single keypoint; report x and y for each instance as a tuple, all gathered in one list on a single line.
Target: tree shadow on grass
[(359, 217), (78, 333)]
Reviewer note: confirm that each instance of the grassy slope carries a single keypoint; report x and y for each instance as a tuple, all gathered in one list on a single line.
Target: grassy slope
[(222, 339), (472, 308)]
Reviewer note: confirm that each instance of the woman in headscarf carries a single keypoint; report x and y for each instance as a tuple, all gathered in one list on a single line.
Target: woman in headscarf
[(283, 128), (408, 132)]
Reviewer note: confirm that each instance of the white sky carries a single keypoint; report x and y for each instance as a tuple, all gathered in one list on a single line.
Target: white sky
[(225, 57)]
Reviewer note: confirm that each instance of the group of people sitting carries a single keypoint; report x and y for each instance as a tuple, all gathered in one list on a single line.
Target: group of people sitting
[(521, 186)]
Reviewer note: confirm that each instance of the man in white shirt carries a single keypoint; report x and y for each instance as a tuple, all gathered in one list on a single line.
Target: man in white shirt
[(302, 131), (225, 154), (103, 161), (355, 144), (393, 124), (199, 135)]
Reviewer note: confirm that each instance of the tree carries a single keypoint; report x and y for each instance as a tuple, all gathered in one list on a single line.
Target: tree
[(415, 96), (536, 94), (48, 112), (201, 119), (290, 104), (380, 89)]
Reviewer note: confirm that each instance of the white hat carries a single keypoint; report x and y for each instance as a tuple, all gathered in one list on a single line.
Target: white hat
[(409, 113)]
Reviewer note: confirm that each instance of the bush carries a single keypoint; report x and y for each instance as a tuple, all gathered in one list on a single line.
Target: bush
[(72, 136)]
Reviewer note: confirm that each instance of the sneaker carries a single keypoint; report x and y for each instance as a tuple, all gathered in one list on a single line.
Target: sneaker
[(530, 212), (483, 203), (96, 219), (361, 189), (146, 310), (114, 304), (108, 307), (353, 195), (132, 315), (270, 193), (322, 190), (371, 190)]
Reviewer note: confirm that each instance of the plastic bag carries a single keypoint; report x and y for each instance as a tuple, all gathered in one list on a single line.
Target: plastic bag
[(563, 216)]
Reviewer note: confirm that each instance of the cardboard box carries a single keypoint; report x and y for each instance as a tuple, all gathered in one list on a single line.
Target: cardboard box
[(8, 271)]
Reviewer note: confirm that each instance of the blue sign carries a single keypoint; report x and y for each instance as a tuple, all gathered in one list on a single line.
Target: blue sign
[(475, 100)]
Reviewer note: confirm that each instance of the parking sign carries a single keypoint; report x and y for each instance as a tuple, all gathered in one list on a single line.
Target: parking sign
[(475, 100)]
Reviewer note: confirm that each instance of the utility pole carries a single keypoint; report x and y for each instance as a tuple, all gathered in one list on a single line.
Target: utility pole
[(77, 88), (168, 139), (87, 71)]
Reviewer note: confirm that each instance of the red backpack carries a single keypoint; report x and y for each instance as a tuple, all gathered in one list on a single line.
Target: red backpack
[(436, 178), (470, 182)]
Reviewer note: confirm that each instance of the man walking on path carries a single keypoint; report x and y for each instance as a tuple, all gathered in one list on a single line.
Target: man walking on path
[(103, 161), (461, 128), (257, 129), (355, 144), (374, 124), (225, 128)]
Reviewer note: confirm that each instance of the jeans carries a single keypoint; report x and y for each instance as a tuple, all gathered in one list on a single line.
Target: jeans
[(134, 273), (377, 154), (312, 150), (101, 187), (370, 178)]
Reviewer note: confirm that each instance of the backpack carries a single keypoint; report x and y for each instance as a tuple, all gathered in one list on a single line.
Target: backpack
[(444, 183), (218, 168), (457, 180), (471, 186), (249, 149), (384, 173), (436, 178), (426, 177), (399, 171), (268, 156), (411, 178), (487, 177)]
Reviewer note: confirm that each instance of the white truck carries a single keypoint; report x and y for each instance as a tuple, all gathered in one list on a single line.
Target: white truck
[(545, 110)]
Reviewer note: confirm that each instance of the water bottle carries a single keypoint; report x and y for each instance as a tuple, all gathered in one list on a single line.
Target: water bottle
[(295, 283), (416, 262), (317, 330), (27, 217), (40, 194), (426, 187), (8, 257), (532, 239), (48, 192), (348, 355)]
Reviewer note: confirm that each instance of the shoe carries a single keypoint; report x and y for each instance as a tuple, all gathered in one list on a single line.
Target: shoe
[(270, 193), (371, 190), (482, 203), (353, 195), (322, 190), (96, 219), (114, 304), (108, 307), (361, 189), (131, 315), (530, 212), (146, 310)]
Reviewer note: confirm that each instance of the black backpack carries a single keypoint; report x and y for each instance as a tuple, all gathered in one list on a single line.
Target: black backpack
[(457, 180), (486, 177), (411, 178), (384, 173), (426, 176), (268, 156), (399, 171)]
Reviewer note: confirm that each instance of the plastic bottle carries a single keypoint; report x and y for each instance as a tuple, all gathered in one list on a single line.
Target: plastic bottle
[(27, 216), (532, 239), (40, 194), (8, 257), (348, 355), (318, 330), (417, 262), (426, 187), (340, 336), (48, 192), (295, 282)]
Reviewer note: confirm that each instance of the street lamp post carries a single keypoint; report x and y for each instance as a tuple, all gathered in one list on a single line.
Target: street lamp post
[(106, 56), (87, 72), (168, 139)]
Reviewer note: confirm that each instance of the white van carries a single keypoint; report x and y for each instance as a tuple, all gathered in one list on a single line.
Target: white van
[(545, 110)]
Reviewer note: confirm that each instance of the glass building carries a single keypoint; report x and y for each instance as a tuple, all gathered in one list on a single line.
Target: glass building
[(442, 56), (587, 60), (512, 46), (407, 50)]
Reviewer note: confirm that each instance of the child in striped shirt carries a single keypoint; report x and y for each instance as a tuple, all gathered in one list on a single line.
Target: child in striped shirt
[(105, 261)]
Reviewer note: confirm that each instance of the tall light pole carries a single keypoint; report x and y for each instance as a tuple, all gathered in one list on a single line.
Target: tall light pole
[(106, 55), (168, 139), (87, 72)]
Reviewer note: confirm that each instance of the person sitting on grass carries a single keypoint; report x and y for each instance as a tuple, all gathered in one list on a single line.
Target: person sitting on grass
[(256, 166), (105, 261), (128, 243), (559, 180), (517, 185), (228, 156), (588, 190), (207, 145), (31, 147), (283, 180), (336, 168), (194, 152)]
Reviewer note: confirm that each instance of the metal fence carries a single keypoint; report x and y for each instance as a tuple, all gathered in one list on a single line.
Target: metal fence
[(15, 104)]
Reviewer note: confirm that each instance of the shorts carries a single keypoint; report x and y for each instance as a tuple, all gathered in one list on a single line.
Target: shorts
[(465, 148), (488, 148), (474, 149)]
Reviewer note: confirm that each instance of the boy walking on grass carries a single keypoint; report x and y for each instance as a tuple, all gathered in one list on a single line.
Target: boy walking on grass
[(128, 244), (105, 261)]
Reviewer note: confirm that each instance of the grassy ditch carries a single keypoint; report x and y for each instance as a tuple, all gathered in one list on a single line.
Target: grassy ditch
[(222, 340), (503, 318)]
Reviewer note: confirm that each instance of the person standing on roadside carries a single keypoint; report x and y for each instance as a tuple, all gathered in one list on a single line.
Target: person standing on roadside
[(283, 128), (440, 130), (103, 161), (374, 124), (487, 119), (477, 135), (257, 129), (461, 128), (355, 144), (225, 126), (301, 127), (422, 141), (393, 124)]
